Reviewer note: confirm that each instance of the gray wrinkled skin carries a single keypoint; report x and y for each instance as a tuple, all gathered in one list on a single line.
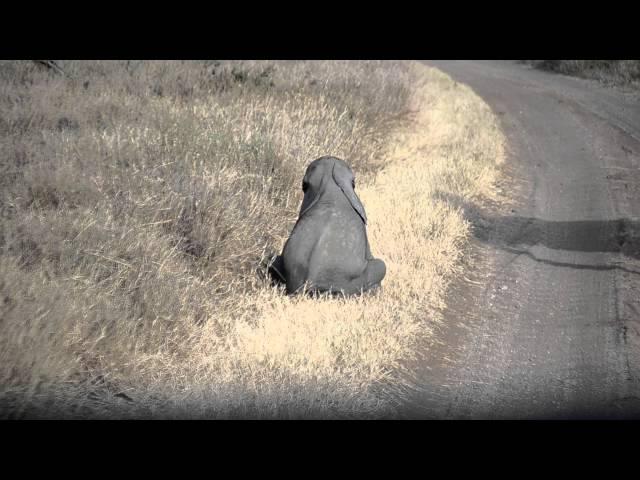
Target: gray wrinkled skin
[(328, 249)]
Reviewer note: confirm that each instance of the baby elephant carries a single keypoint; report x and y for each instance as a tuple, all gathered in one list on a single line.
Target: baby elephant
[(328, 248)]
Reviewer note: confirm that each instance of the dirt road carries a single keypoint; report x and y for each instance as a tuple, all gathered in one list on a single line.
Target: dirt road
[(547, 323)]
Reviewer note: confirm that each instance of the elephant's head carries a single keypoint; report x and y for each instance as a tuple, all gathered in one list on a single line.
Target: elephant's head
[(320, 181)]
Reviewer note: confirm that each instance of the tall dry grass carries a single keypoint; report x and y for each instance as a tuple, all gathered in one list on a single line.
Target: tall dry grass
[(139, 200)]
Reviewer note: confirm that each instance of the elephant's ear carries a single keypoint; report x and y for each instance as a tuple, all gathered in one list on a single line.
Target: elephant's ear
[(343, 179), (310, 199)]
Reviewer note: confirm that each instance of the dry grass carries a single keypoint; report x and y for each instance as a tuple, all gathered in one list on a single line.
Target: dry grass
[(138, 207), (609, 72)]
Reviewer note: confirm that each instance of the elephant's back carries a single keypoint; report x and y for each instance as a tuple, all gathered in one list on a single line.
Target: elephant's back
[(330, 246)]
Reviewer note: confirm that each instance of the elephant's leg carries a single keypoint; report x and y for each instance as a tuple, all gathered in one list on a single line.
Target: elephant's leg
[(370, 278), (374, 273), (276, 271)]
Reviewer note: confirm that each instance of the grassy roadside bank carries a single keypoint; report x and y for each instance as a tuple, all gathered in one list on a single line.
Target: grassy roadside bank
[(624, 73), (139, 199)]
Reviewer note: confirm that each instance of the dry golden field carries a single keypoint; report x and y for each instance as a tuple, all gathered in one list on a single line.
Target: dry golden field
[(140, 199)]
